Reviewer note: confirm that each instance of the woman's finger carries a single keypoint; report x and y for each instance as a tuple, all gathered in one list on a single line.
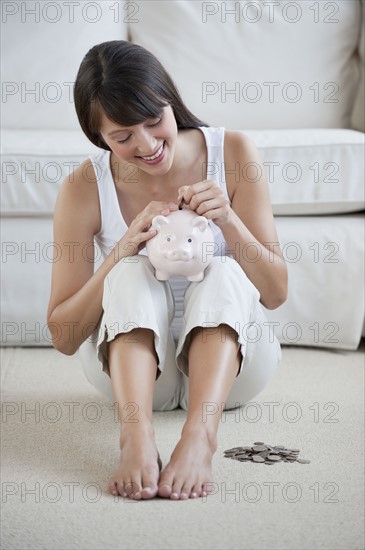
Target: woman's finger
[(204, 196), (199, 187), (208, 205)]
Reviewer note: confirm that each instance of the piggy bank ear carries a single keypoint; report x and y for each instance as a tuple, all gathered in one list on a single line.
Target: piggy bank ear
[(158, 222), (201, 223)]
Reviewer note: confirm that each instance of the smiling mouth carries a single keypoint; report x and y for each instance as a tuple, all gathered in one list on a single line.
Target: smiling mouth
[(155, 155)]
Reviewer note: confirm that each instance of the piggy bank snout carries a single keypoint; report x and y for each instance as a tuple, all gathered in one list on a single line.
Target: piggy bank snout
[(179, 254)]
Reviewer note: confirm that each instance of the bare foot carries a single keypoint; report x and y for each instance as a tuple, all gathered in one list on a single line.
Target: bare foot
[(139, 467), (190, 466)]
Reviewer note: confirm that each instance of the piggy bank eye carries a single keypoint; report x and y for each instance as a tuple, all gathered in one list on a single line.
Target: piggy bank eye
[(169, 238), (190, 240)]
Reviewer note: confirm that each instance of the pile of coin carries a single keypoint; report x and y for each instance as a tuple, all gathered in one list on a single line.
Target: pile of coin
[(264, 453)]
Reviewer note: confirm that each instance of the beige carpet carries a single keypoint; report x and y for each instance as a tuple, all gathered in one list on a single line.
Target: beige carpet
[(56, 463)]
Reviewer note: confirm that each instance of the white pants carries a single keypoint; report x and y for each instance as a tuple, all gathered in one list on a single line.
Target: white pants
[(134, 298)]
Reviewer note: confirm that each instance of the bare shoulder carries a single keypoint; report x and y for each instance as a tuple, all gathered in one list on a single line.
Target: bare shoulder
[(242, 161), (238, 146), (237, 142), (78, 199)]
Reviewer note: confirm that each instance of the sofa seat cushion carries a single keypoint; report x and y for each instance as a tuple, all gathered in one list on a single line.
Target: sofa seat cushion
[(317, 171), (34, 164), (325, 260), (313, 171), (324, 255)]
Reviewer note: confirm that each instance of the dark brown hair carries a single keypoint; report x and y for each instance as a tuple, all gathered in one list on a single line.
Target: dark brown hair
[(128, 84)]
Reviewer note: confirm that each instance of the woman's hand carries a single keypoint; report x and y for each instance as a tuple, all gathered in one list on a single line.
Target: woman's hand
[(139, 231), (207, 199)]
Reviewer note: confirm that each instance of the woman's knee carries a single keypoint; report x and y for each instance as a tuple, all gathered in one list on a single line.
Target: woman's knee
[(128, 269), (224, 269)]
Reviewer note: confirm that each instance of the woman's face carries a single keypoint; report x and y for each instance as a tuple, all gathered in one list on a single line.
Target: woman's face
[(149, 145)]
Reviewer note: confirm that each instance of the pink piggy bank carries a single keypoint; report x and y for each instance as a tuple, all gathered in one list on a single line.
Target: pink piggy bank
[(181, 245)]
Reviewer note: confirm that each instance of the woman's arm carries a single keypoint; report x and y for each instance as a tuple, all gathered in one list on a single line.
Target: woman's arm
[(250, 231), (247, 224), (75, 305)]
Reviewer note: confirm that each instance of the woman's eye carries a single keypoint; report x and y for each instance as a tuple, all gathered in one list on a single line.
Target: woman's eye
[(156, 123), (123, 140)]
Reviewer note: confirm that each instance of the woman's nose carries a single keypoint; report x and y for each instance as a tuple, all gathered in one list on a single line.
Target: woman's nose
[(146, 144)]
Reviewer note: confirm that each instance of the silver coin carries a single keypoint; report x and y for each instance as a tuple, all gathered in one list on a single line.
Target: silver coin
[(264, 453), (259, 448), (258, 458)]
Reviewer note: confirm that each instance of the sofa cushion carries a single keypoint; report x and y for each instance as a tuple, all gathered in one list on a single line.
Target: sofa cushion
[(254, 65), (309, 171), (325, 260), (324, 255), (43, 44), (313, 171), (34, 164)]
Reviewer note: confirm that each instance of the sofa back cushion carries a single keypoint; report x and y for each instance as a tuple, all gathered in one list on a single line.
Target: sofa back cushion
[(43, 44), (254, 65)]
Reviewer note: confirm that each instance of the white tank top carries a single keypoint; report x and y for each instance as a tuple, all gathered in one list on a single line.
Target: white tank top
[(113, 225)]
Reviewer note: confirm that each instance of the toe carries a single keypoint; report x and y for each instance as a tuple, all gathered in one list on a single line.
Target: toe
[(132, 490), (149, 486), (148, 492), (176, 490), (196, 491), (112, 487), (206, 488), (185, 491), (165, 484), (164, 490)]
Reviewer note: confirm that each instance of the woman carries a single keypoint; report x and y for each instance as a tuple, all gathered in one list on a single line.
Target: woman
[(162, 344)]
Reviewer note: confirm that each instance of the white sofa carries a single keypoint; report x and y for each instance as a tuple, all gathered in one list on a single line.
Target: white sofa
[(289, 74)]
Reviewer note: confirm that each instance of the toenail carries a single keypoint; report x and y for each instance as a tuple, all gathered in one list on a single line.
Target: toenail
[(174, 495), (183, 496), (194, 495)]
